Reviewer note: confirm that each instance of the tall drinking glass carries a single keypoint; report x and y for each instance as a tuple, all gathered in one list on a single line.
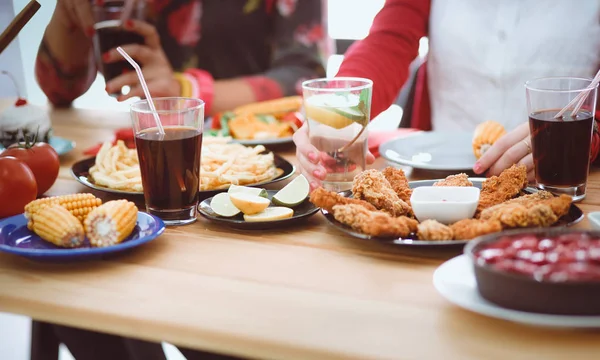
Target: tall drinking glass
[(338, 111), (560, 147), (110, 34), (170, 163)]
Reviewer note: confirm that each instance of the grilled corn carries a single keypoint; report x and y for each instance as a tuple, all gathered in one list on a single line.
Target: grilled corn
[(110, 223), (77, 204), (58, 226)]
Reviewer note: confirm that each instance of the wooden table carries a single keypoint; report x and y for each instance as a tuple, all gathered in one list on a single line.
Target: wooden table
[(303, 293)]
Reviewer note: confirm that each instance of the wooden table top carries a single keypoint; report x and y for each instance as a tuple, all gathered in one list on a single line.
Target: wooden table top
[(302, 293)]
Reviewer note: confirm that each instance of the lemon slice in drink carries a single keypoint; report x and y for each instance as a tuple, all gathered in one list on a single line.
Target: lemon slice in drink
[(248, 190), (293, 194), (271, 214), (221, 204), (334, 110)]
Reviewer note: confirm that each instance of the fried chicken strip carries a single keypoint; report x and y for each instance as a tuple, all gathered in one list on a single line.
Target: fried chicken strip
[(468, 229), (372, 186), (398, 182), (434, 231), (461, 179), (538, 209), (503, 187), (516, 215), (328, 199), (374, 223)]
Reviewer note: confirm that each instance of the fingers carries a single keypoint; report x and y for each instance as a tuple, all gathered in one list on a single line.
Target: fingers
[(531, 177), (128, 78), (370, 158), (528, 162), (314, 173), (498, 151), (82, 11), (141, 53), (303, 145), (514, 155), (147, 31)]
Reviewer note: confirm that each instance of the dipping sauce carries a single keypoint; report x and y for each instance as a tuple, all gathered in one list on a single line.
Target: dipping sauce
[(563, 258)]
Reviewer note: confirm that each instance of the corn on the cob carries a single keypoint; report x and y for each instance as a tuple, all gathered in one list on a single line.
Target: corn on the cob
[(77, 204), (58, 226), (277, 107), (110, 223)]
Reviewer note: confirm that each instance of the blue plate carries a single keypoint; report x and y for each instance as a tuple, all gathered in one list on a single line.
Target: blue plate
[(61, 145), (15, 238)]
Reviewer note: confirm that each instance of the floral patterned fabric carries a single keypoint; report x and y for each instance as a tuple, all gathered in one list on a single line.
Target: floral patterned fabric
[(276, 44)]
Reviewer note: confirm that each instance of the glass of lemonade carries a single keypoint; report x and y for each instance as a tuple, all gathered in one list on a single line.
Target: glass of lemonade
[(337, 112)]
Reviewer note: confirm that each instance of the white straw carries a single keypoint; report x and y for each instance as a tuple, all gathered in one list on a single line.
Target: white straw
[(138, 70), (580, 98), (127, 9)]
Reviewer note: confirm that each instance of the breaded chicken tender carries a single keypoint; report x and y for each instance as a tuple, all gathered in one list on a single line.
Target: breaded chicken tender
[(503, 187), (461, 179), (398, 182), (328, 199), (374, 223), (468, 229), (535, 210), (434, 231), (373, 187)]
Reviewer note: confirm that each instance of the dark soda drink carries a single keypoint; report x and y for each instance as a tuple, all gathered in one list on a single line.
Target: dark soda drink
[(561, 147), (109, 35), (170, 168)]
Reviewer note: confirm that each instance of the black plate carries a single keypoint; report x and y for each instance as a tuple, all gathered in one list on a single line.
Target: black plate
[(302, 211), (574, 216), (80, 170)]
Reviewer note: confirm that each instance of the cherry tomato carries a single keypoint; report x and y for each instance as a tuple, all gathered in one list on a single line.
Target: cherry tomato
[(41, 158), (17, 186)]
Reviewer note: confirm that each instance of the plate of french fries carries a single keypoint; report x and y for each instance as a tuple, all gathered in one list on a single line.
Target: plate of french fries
[(77, 226), (116, 168)]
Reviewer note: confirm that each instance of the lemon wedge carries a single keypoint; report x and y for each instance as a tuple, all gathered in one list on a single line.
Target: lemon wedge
[(249, 204), (247, 190), (271, 214), (333, 110), (221, 204)]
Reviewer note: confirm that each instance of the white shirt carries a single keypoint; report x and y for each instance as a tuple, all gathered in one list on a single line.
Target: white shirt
[(483, 51)]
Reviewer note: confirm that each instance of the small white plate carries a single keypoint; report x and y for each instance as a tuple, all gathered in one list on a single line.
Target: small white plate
[(432, 151), (455, 280)]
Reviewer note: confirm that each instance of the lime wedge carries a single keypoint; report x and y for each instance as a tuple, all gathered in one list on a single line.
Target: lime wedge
[(221, 204), (352, 113), (294, 193), (249, 204), (248, 190), (271, 214)]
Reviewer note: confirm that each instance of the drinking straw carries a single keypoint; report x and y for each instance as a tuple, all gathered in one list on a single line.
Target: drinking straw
[(127, 9), (580, 98), (17, 24), (138, 70)]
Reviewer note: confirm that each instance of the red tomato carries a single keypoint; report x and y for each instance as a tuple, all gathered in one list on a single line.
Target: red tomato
[(41, 158), (17, 186)]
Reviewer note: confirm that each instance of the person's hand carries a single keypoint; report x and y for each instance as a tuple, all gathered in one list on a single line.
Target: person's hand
[(75, 15), (151, 57), (314, 164), (512, 148)]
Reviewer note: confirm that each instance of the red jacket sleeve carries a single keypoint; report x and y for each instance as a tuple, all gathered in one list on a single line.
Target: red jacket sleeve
[(385, 54)]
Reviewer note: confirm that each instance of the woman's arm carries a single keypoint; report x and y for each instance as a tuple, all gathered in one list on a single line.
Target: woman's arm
[(386, 53), (297, 40), (64, 65)]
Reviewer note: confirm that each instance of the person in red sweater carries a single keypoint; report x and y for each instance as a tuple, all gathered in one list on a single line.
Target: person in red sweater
[(480, 55)]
